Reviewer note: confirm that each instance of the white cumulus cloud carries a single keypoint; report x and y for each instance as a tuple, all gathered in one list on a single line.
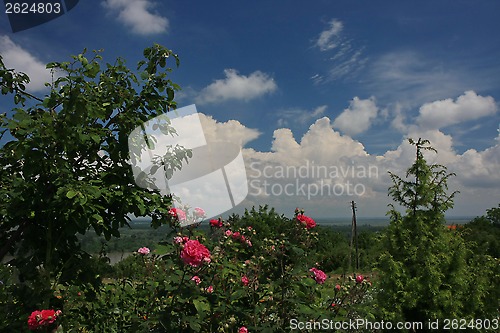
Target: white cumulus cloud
[(237, 87), (17, 58), (232, 131), (358, 117), (321, 170), (138, 15), (466, 107)]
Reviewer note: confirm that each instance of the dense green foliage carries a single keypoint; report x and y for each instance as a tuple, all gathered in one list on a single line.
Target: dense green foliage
[(64, 169), (426, 271), (483, 233)]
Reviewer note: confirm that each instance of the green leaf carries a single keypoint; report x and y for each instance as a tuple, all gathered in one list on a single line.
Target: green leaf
[(71, 194), (98, 218), (194, 325), (96, 138), (52, 65), (162, 249), (201, 306), (170, 94)]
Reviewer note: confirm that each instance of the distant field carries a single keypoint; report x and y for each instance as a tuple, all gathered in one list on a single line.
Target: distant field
[(141, 234), (381, 221)]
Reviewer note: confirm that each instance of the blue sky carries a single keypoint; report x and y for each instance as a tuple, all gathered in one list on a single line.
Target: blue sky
[(326, 83)]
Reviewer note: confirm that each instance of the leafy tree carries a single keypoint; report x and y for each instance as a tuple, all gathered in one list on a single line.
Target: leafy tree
[(483, 233), (426, 271), (64, 168), (493, 215)]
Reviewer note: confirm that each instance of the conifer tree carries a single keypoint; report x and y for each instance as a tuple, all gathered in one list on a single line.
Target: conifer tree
[(423, 270)]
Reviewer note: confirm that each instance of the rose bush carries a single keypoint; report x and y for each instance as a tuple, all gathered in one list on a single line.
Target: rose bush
[(216, 281), (224, 279)]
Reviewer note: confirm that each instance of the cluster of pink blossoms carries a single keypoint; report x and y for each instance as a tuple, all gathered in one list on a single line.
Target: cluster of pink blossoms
[(199, 212), (143, 250), (43, 318), (238, 236), (196, 279), (306, 220), (245, 280), (318, 275)]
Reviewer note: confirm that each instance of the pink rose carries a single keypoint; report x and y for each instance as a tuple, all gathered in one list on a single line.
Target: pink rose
[(228, 233), (236, 235), (244, 280), (243, 329), (307, 221), (177, 240), (177, 213), (210, 289), (337, 287), (199, 212), (359, 278), (143, 250), (196, 279), (194, 253), (319, 275)]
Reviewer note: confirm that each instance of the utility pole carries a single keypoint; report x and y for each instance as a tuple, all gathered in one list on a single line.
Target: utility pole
[(354, 235)]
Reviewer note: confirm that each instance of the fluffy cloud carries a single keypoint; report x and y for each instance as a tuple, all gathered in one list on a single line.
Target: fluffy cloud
[(137, 15), (320, 172), (328, 39), (324, 170), (479, 169), (468, 106), (358, 117), (320, 143), (14, 56), (232, 131), (238, 87), (398, 122)]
